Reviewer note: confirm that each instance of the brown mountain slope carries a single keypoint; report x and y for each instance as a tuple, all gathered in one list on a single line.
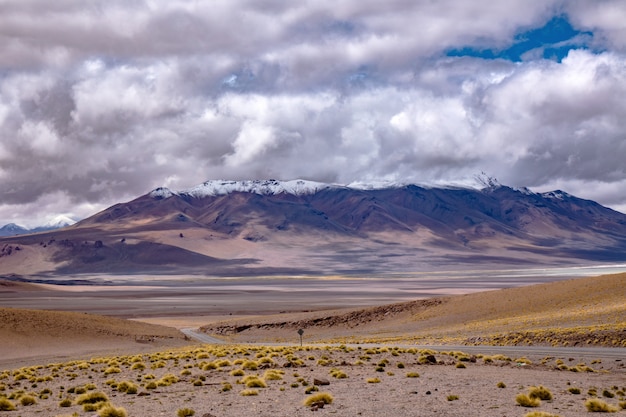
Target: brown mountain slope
[(582, 310), (330, 230)]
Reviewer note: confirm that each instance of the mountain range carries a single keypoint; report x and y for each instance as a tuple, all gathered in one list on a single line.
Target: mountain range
[(236, 228), (12, 229)]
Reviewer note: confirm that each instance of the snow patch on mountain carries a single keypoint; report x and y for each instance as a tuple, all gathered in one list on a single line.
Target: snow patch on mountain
[(162, 193), (299, 187), (558, 194)]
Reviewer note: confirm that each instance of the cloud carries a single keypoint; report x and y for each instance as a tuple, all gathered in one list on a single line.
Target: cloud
[(101, 103)]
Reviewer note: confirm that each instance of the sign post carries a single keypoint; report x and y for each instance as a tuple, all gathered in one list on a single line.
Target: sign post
[(300, 332)]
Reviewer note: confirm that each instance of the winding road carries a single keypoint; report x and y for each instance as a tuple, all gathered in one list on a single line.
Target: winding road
[(617, 354), (202, 337)]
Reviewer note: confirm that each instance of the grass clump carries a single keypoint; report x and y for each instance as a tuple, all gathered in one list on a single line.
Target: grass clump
[(112, 411), (253, 381), (65, 403), (324, 397), (92, 398), (338, 373), (607, 394), (574, 390), (501, 385), (273, 375), (128, 387), (373, 380), (27, 400), (112, 370), (526, 401), (138, 366), (412, 375), (452, 397), (540, 414), (595, 405), (249, 392), (6, 405), (185, 412), (540, 392)]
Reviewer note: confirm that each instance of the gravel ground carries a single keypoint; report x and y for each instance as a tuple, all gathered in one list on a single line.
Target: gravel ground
[(201, 388)]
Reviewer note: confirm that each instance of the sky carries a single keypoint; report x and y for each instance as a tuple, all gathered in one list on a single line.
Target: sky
[(102, 101)]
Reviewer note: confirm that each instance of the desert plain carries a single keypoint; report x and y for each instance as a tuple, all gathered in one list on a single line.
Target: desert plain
[(376, 347)]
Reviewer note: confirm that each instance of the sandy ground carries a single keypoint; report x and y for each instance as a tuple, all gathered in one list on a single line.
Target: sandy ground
[(31, 336), (362, 382)]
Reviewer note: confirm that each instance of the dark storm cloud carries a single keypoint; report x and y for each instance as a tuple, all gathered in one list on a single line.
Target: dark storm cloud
[(102, 101)]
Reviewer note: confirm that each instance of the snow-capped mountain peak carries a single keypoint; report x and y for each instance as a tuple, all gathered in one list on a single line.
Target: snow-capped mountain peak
[(214, 188), (57, 222)]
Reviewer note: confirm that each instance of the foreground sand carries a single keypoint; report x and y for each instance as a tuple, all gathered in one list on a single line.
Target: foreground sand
[(364, 381)]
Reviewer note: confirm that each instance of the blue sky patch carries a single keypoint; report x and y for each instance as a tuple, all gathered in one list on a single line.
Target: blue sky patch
[(552, 41)]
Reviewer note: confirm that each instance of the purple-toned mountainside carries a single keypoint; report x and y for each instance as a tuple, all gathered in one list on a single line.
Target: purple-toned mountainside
[(267, 227)]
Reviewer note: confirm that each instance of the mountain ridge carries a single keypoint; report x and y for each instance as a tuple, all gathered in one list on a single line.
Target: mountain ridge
[(275, 227), (58, 222)]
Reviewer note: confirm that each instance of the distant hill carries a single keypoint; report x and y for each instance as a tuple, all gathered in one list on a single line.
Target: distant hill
[(302, 227)]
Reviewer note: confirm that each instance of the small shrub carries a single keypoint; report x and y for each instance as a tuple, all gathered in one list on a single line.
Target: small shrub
[(540, 414), (460, 365), (595, 405), (526, 401), (501, 385), (325, 397), (237, 372), (574, 390), (452, 397), (185, 412), (226, 386), (412, 375), (373, 380), (249, 392)]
